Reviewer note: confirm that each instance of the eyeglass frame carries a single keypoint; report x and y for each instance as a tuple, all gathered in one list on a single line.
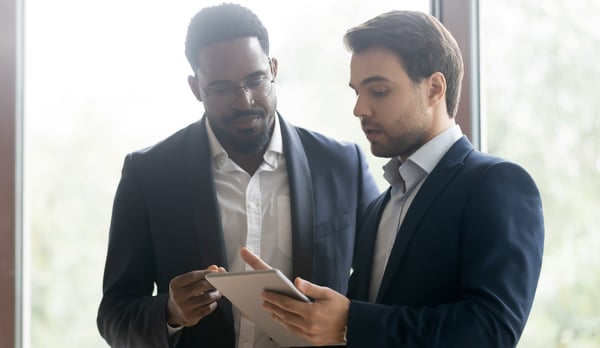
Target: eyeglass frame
[(232, 90)]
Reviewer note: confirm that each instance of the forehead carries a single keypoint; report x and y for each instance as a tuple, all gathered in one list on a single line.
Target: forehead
[(232, 60), (376, 61)]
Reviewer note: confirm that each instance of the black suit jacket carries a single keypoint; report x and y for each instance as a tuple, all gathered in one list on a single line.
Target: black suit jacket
[(465, 263), (166, 222)]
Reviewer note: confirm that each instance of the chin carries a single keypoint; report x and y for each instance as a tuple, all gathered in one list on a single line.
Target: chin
[(254, 144), (379, 152), (379, 149)]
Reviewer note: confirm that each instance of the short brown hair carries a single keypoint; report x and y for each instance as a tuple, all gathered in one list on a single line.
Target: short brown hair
[(422, 43)]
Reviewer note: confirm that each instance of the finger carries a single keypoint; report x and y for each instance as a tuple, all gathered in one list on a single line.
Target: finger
[(311, 290), (287, 317), (288, 325), (195, 314), (189, 278), (283, 302), (252, 259), (206, 298), (201, 287), (200, 283), (197, 307), (205, 310)]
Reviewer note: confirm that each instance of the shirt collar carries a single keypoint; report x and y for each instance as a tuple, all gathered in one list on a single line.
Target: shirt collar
[(221, 159), (421, 161), (428, 155)]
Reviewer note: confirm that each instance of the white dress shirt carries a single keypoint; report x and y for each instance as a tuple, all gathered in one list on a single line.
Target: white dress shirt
[(255, 212), (405, 180)]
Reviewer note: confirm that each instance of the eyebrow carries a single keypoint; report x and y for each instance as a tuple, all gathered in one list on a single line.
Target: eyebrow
[(375, 78), (257, 73)]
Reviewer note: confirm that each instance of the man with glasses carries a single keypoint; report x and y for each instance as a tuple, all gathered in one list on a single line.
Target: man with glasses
[(239, 177)]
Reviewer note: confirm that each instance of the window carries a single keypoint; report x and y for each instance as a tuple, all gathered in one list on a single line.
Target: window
[(540, 83)]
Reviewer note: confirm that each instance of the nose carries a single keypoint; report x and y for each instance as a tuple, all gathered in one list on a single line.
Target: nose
[(360, 108), (245, 101)]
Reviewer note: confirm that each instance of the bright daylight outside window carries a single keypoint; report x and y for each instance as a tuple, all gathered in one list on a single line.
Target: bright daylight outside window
[(540, 79), (104, 78)]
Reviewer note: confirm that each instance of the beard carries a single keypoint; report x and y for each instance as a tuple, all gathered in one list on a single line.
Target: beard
[(403, 144), (407, 143), (251, 145), (245, 141)]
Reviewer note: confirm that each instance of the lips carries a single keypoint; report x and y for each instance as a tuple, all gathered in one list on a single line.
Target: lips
[(371, 132), (245, 119), (245, 116), (245, 123)]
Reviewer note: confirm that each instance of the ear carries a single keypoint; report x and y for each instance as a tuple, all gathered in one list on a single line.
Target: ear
[(274, 65), (194, 86), (436, 91)]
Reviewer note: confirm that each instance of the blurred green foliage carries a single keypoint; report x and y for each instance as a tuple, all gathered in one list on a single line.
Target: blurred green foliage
[(540, 86)]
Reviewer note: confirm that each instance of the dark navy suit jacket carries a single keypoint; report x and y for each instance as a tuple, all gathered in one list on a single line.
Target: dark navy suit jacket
[(465, 263), (166, 222)]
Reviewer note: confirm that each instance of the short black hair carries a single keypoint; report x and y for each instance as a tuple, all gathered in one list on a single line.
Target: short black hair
[(420, 41), (223, 22)]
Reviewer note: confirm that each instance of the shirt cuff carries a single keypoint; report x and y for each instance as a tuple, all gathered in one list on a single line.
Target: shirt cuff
[(172, 330)]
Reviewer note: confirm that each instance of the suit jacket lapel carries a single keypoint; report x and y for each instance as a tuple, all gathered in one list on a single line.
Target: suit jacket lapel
[(207, 217), (301, 201), (362, 263), (434, 184)]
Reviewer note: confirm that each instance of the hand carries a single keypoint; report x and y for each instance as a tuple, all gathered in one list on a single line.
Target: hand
[(253, 260), (191, 297), (322, 322)]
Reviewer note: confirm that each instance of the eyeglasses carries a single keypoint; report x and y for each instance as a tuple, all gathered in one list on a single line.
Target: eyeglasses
[(257, 88)]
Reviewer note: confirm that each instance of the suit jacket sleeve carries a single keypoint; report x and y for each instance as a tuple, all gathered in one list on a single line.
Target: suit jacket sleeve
[(129, 316), (501, 243)]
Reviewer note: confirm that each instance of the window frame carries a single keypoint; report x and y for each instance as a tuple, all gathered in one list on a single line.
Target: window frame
[(9, 187), (461, 17)]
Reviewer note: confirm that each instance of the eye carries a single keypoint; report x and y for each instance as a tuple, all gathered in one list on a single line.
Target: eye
[(255, 83), (220, 89), (379, 92)]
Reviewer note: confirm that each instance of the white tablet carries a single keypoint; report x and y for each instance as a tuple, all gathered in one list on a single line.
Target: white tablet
[(243, 289)]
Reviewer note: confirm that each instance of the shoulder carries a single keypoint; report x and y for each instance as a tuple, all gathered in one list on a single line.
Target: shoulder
[(321, 144), (499, 173), (486, 162), (478, 169), (171, 146), (476, 162)]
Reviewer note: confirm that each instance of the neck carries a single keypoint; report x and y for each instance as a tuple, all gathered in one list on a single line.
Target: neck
[(247, 161)]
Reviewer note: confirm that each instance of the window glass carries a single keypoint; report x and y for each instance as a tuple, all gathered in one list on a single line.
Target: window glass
[(104, 78), (540, 83)]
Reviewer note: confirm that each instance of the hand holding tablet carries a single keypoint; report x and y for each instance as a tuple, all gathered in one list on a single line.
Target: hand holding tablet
[(243, 289)]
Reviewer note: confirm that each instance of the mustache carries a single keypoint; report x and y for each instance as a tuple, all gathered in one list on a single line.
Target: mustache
[(246, 113), (369, 125)]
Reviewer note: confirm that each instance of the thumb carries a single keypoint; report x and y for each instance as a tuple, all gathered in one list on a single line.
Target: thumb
[(311, 290)]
